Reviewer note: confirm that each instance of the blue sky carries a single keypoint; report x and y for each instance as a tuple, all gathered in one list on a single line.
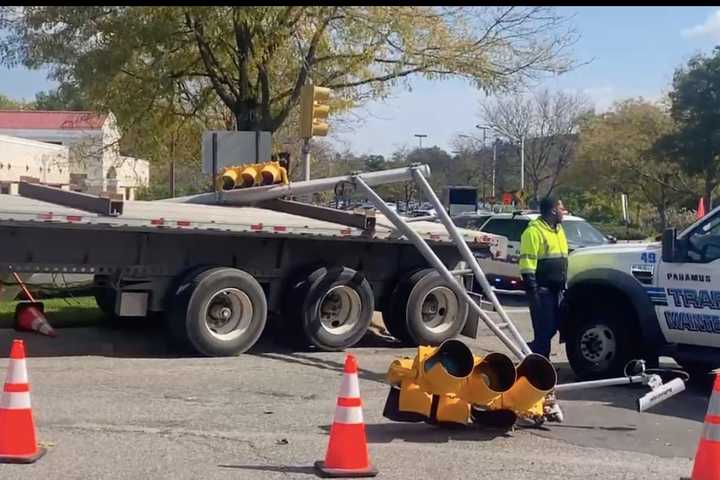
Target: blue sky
[(633, 52)]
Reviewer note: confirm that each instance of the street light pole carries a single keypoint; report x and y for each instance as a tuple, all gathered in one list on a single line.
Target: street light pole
[(521, 139), (484, 129), (420, 136), (522, 163), (494, 165)]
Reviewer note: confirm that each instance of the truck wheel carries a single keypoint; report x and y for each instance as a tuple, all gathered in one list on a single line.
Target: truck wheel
[(334, 308), (599, 346), (220, 312), (424, 310)]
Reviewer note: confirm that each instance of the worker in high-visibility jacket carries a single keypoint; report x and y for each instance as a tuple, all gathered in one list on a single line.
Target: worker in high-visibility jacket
[(543, 264)]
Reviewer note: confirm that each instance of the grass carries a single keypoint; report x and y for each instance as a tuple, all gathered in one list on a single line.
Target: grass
[(60, 312)]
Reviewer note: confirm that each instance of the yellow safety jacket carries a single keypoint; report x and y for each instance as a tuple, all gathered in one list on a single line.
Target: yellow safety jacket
[(543, 255)]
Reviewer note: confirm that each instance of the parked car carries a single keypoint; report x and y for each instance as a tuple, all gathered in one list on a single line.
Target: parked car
[(505, 274), (471, 220)]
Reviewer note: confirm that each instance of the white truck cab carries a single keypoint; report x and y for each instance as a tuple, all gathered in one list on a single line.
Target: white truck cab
[(629, 301)]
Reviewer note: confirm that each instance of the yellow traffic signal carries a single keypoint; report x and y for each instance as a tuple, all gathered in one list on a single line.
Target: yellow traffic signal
[(314, 111), (448, 384), (244, 176)]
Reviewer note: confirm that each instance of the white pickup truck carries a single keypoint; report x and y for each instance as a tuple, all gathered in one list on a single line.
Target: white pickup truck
[(628, 301)]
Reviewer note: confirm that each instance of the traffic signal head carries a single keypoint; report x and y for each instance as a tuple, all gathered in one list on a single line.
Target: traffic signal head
[(536, 377), (314, 111), (492, 375), (273, 173), (446, 369)]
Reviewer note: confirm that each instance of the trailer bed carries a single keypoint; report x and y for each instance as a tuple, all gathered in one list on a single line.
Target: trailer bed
[(143, 215)]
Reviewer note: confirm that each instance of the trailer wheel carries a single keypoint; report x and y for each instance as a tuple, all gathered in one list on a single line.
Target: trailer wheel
[(424, 310), (220, 312), (334, 307)]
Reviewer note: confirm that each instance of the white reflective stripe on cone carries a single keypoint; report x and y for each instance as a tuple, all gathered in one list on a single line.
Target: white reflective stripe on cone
[(15, 400), (17, 371), (348, 415), (350, 388), (711, 432), (714, 405)]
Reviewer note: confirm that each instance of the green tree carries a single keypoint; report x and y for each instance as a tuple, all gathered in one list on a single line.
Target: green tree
[(254, 60), (618, 154), (65, 97), (695, 106), (8, 103)]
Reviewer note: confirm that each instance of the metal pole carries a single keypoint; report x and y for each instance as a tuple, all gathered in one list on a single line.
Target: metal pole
[(306, 166), (522, 163), (433, 260), (608, 382), (494, 166), (468, 256), (306, 158)]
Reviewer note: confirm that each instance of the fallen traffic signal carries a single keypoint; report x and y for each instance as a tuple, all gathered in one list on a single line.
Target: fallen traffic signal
[(448, 384)]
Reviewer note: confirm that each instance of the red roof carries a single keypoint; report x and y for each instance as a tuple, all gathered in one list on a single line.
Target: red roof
[(44, 120)]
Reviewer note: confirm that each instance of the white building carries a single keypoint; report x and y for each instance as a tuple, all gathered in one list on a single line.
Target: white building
[(92, 140), (22, 159)]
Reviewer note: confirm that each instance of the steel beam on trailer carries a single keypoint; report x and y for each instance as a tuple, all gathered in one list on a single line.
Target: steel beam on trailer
[(77, 200), (357, 220)]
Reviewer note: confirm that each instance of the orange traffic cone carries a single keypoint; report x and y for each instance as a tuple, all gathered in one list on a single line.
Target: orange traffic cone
[(707, 459), (701, 209), (347, 453), (17, 429), (29, 317)]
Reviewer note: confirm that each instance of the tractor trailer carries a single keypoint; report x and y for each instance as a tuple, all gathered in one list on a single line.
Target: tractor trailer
[(217, 268)]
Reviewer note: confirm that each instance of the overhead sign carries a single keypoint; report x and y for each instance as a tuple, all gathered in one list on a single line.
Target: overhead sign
[(234, 148)]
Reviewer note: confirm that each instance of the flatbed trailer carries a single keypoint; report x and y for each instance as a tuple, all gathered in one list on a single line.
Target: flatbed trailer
[(217, 272)]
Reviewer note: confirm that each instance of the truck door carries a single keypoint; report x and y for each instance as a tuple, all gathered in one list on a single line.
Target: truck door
[(692, 288)]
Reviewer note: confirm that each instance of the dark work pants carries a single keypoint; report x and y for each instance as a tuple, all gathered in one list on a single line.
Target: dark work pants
[(545, 313)]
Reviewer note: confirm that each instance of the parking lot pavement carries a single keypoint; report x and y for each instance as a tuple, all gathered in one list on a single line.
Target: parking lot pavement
[(132, 410)]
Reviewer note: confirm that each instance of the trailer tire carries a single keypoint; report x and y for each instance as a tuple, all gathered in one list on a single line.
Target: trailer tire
[(336, 306), (424, 310), (220, 312), (105, 299)]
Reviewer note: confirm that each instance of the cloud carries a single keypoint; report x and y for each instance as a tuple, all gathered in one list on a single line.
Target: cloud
[(710, 28)]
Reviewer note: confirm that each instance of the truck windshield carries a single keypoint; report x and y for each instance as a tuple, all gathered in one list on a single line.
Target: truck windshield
[(579, 232)]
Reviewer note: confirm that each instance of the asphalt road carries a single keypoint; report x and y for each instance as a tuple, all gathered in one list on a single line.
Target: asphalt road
[(119, 405)]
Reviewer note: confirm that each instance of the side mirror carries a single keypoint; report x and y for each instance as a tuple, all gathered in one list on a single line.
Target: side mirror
[(612, 239), (669, 245)]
